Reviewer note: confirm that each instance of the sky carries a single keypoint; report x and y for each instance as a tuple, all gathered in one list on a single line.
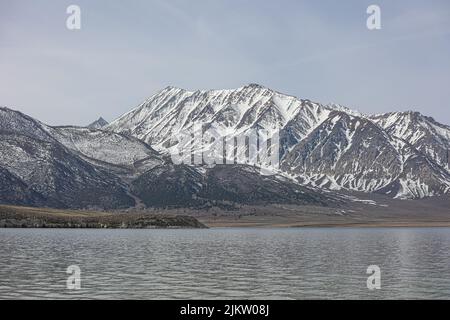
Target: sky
[(126, 51)]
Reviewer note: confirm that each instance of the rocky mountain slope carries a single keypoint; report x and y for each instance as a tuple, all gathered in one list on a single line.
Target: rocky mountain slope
[(402, 155), (324, 150), (354, 153), (123, 155), (424, 133), (98, 124), (36, 169), (76, 167), (222, 186)]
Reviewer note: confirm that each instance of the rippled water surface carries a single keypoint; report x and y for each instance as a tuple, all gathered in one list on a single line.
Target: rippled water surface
[(320, 263)]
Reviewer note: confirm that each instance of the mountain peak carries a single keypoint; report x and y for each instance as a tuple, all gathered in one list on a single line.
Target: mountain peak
[(254, 85), (170, 88), (98, 124)]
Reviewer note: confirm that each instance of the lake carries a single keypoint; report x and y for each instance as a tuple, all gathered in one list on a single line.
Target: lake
[(222, 263)]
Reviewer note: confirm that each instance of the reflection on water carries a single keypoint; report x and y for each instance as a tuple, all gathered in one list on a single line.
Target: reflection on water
[(320, 263)]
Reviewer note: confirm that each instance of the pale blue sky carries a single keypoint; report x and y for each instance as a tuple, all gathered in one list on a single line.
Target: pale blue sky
[(127, 50)]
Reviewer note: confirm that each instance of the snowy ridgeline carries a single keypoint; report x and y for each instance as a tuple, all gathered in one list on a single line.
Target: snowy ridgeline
[(400, 154), (123, 164)]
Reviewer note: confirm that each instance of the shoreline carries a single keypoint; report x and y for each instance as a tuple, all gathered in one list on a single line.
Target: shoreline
[(255, 226), (262, 217), (28, 217), (366, 225)]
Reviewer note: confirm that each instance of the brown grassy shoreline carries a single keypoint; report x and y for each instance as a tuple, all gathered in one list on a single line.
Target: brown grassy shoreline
[(395, 214), (26, 217)]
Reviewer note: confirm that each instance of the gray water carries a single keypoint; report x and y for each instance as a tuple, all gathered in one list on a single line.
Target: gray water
[(319, 263)]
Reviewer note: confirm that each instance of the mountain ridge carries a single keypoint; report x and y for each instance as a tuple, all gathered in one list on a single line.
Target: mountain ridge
[(98, 124), (232, 112), (325, 151), (84, 168)]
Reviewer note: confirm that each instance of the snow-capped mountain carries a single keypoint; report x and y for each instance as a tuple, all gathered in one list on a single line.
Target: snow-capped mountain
[(231, 114), (424, 133), (78, 167), (323, 149), (329, 146), (353, 153), (38, 170), (171, 111), (123, 155), (98, 124)]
